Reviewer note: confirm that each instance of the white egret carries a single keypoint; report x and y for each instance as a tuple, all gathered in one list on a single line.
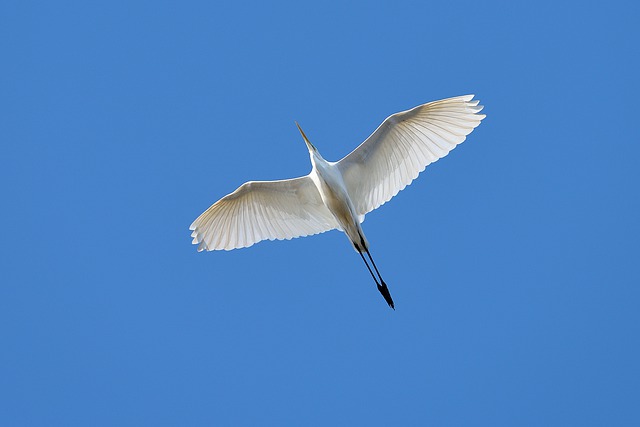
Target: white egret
[(340, 194)]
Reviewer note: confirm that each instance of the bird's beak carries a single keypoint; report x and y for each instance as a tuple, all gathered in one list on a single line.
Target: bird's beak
[(306, 140)]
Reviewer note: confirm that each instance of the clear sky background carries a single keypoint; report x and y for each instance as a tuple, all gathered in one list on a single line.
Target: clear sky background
[(513, 262)]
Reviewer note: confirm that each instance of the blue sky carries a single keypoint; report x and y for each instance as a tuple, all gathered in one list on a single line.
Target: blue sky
[(512, 262)]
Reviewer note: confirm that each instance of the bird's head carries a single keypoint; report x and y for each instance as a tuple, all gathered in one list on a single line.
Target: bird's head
[(312, 149)]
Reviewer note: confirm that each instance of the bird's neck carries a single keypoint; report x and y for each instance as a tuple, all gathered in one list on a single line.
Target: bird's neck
[(317, 159)]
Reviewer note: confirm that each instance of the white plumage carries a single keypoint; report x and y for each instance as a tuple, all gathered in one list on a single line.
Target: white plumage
[(340, 194)]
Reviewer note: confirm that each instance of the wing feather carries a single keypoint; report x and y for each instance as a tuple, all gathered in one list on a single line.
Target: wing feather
[(403, 146), (260, 210)]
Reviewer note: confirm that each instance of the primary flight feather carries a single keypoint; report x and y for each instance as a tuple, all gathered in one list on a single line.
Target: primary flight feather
[(340, 194)]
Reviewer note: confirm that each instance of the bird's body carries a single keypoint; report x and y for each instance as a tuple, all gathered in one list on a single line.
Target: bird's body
[(335, 196), (340, 194)]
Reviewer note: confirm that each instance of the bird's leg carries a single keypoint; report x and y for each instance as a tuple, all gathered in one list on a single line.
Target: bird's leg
[(374, 266), (368, 268), (382, 287)]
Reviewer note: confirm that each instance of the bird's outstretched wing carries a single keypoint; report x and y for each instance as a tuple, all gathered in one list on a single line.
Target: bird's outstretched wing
[(403, 146), (260, 210)]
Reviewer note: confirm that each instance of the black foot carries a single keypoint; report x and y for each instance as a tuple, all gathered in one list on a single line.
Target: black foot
[(385, 293)]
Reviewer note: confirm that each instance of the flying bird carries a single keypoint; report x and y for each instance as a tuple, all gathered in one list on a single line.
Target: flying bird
[(338, 195)]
